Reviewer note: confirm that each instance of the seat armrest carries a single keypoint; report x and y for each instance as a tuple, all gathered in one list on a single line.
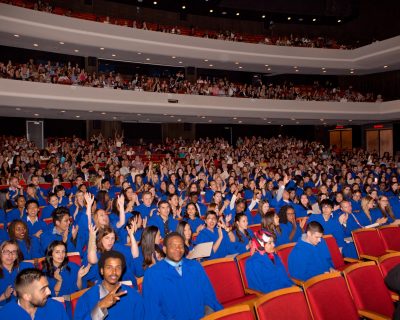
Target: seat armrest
[(365, 256), (252, 291), (351, 260), (372, 315)]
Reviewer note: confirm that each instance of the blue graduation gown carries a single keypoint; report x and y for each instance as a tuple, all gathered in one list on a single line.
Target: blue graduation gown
[(33, 252), (34, 227), (47, 211), (240, 246), (264, 275), (224, 249), (287, 229), (49, 236), (145, 211), (129, 307), (157, 221), (168, 295), (15, 214), (53, 310), (9, 279), (306, 260), (194, 224)]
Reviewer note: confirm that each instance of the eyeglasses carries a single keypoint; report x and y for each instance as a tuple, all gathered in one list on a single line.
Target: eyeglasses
[(9, 253)]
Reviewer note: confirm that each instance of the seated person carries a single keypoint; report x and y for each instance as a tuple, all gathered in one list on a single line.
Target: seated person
[(35, 225), (310, 256), (218, 233), (30, 246), (242, 234), (165, 282), (109, 299), (163, 220), (33, 301), (265, 271)]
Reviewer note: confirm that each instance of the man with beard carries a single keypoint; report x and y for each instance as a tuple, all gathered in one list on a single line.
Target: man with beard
[(110, 300), (33, 301)]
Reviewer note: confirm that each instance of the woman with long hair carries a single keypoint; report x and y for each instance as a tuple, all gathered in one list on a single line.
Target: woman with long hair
[(151, 249), (10, 265), (270, 223), (29, 246), (185, 231), (242, 234), (288, 224), (192, 217), (64, 277), (365, 217), (383, 210)]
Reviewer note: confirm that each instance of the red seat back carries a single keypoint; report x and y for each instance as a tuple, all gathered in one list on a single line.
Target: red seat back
[(337, 257), (283, 252), (329, 298), (254, 227), (241, 262), (368, 242), (219, 271), (75, 257), (391, 237), (274, 306), (368, 288), (388, 262)]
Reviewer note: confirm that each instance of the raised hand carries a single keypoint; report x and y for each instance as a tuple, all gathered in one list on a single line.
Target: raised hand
[(83, 270), (89, 198), (74, 231), (112, 298)]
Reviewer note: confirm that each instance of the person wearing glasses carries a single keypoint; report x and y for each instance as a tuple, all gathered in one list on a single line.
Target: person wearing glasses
[(10, 264), (265, 271)]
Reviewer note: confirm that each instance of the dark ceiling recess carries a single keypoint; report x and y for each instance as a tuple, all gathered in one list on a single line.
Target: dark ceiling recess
[(319, 12)]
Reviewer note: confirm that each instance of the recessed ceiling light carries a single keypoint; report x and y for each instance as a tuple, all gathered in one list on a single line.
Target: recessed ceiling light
[(113, 55), (61, 42), (269, 122), (18, 109), (171, 116), (323, 68), (324, 71), (16, 35), (297, 70), (321, 119), (35, 45), (295, 67), (62, 111), (173, 57), (351, 72), (339, 21), (267, 65), (264, 119), (77, 116), (314, 20), (103, 113), (183, 7), (385, 67), (180, 62), (211, 65), (147, 59), (236, 62), (281, 125), (240, 121), (223, 12), (114, 118), (293, 119), (210, 120), (263, 16), (238, 13), (324, 123), (269, 69), (36, 114), (300, 19), (155, 2), (139, 114), (203, 117), (179, 120), (211, 10), (289, 18), (205, 60), (139, 53), (240, 67), (90, 111), (76, 50), (102, 48), (234, 118)]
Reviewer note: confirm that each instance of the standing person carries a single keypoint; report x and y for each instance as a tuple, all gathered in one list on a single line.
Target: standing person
[(166, 282), (110, 300), (33, 301)]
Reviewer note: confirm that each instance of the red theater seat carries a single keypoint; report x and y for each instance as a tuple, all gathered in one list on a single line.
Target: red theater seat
[(242, 312), (369, 244), (338, 261), (241, 262), (391, 237), (283, 252)]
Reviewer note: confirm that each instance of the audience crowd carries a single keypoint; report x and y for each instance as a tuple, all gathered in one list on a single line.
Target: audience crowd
[(70, 74), (227, 35)]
